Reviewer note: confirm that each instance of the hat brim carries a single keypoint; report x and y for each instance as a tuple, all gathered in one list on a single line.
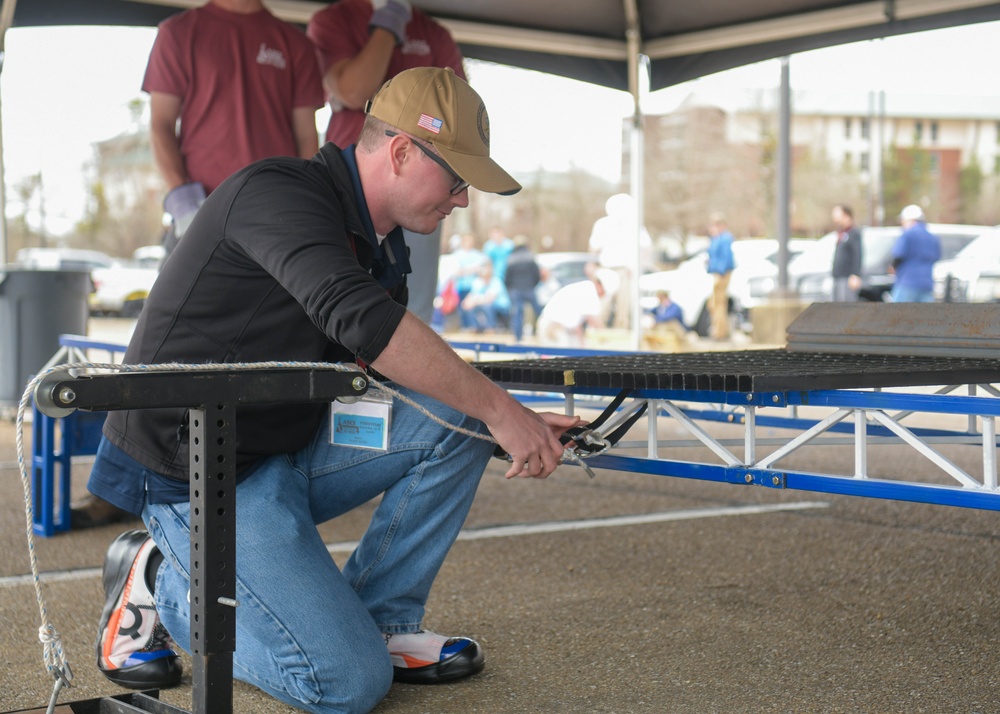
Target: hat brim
[(482, 172)]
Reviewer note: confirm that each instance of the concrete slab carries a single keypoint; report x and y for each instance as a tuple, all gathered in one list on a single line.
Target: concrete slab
[(862, 605)]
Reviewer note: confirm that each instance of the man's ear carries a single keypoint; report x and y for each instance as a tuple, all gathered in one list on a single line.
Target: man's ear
[(399, 153)]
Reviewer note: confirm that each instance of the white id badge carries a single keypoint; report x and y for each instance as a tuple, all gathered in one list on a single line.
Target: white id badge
[(363, 424)]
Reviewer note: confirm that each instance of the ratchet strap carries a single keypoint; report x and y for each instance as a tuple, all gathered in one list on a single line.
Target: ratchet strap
[(586, 439)]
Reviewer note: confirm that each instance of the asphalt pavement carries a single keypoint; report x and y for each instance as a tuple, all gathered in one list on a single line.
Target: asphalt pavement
[(631, 593)]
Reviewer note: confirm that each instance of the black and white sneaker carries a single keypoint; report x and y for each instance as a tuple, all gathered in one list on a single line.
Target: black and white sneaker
[(133, 648), (429, 658)]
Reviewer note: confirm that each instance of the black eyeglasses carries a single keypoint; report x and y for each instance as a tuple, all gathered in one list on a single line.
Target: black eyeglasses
[(460, 183)]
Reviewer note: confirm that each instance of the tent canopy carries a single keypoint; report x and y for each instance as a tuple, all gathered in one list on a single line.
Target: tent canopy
[(602, 41), (596, 41)]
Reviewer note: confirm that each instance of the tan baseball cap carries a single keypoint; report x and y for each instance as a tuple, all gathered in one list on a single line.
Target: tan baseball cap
[(435, 105)]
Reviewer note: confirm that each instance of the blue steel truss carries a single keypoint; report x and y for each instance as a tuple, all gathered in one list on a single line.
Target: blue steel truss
[(856, 418), (861, 419)]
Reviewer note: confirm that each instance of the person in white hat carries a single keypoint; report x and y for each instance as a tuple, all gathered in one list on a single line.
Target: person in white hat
[(302, 260), (913, 256)]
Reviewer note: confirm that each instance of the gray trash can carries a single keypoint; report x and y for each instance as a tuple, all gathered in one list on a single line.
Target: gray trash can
[(36, 306)]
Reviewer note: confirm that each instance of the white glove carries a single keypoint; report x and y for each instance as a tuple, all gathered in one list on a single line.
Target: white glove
[(182, 203), (379, 4), (391, 15)]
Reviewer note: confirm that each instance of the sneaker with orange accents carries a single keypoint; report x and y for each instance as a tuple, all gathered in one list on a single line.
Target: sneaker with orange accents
[(133, 648), (428, 658)]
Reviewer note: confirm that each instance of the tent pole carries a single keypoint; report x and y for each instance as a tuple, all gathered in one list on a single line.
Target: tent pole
[(636, 63), (784, 175), (6, 20)]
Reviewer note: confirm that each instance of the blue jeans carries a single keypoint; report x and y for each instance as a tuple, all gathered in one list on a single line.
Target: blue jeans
[(307, 633), (518, 299), (901, 293), (481, 317)]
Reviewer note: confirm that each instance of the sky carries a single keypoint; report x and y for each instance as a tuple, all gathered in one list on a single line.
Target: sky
[(64, 88)]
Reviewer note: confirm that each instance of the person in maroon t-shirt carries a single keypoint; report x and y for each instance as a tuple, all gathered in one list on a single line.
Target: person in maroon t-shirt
[(360, 47), (245, 86), (361, 44)]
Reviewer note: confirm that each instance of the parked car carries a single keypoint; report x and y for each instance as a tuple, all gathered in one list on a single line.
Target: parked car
[(987, 286), (971, 275), (121, 289), (118, 287), (61, 259), (149, 256), (740, 298), (560, 269), (690, 285), (809, 273)]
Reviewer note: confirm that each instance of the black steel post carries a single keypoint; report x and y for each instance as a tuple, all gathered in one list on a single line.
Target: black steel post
[(213, 557), (211, 395)]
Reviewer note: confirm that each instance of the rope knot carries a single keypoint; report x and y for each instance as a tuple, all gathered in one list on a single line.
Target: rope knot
[(48, 635)]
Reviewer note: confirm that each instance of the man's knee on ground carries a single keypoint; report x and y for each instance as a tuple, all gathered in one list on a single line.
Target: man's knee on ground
[(301, 686)]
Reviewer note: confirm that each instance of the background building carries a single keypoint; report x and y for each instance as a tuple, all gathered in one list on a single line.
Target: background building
[(125, 196), (875, 151)]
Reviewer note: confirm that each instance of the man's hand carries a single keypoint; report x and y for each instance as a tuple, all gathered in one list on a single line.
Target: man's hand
[(393, 16), (532, 440), (416, 357)]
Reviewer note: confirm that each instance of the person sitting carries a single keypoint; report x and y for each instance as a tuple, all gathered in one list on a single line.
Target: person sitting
[(487, 301), (468, 258), (667, 314)]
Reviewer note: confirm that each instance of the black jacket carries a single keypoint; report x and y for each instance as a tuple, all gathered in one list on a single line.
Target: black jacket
[(522, 269), (847, 256), (275, 266)]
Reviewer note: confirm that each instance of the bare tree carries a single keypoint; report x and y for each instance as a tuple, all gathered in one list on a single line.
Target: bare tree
[(124, 208), (561, 206), (29, 192)]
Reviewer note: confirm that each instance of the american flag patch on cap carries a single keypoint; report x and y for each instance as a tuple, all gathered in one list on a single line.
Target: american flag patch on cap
[(430, 123)]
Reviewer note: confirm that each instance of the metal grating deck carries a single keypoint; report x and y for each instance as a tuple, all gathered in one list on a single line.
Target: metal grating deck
[(743, 371)]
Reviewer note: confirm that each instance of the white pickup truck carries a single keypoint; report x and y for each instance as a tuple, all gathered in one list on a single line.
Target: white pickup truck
[(121, 289)]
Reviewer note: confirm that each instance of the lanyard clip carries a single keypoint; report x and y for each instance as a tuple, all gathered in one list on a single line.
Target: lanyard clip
[(585, 441)]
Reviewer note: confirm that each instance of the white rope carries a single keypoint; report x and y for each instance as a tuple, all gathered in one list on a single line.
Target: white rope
[(52, 652), (53, 655)]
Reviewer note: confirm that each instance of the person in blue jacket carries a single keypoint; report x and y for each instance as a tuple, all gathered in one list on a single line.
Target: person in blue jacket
[(720, 266), (667, 311), (913, 258)]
